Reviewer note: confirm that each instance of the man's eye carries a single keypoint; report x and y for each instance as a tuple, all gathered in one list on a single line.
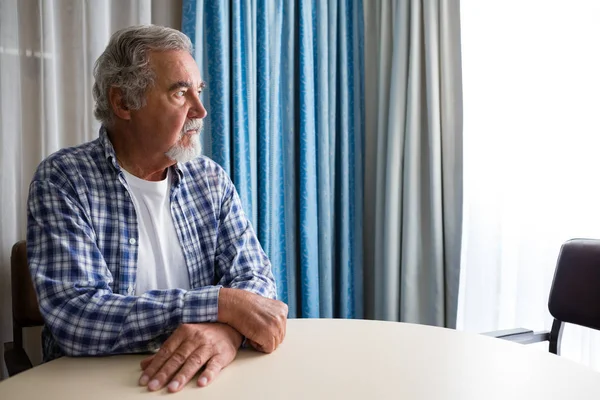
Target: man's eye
[(199, 93), (180, 93)]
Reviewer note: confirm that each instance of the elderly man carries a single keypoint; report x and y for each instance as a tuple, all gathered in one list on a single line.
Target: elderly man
[(135, 241)]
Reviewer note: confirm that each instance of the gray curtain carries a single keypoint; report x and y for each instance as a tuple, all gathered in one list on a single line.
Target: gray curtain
[(413, 166)]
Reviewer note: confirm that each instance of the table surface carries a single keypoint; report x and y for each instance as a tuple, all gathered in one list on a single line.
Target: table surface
[(345, 359)]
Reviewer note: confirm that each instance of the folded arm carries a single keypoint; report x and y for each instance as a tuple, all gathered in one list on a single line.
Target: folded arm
[(74, 290)]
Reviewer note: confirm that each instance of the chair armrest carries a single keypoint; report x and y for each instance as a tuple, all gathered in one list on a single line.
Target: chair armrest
[(508, 333), (520, 335), (16, 359)]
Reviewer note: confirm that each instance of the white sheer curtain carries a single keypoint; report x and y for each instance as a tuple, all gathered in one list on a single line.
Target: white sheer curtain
[(531, 77), (47, 52)]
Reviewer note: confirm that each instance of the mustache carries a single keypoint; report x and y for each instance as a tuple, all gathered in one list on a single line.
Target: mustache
[(192, 124)]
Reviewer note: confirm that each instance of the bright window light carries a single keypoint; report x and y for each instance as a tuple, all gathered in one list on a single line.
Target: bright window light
[(531, 75)]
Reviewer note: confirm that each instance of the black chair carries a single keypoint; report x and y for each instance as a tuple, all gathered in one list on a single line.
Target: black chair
[(574, 295), (25, 310)]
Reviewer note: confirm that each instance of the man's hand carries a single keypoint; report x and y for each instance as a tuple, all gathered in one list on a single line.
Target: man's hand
[(187, 350), (261, 320)]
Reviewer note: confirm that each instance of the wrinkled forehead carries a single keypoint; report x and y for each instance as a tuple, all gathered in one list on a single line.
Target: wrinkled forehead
[(175, 66)]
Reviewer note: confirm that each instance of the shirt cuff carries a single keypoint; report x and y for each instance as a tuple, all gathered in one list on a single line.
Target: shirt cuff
[(201, 305)]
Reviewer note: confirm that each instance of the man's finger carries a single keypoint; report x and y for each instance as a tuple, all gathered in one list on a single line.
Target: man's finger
[(273, 345), (193, 364), (146, 361), (165, 352), (255, 345), (211, 371), (164, 374)]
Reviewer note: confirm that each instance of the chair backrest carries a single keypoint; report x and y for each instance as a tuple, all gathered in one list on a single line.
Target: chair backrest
[(25, 307), (575, 292)]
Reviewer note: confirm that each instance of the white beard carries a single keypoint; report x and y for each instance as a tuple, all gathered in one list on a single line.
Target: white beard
[(183, 153)]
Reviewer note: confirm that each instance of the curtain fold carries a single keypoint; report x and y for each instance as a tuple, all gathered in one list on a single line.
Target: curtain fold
[(47, 54), (285, 119), (413, 160)]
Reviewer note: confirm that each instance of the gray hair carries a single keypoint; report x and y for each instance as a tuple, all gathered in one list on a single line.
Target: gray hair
[(125, 64)]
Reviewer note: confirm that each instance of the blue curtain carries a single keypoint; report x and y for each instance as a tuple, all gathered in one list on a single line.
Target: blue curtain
[(286, 120)]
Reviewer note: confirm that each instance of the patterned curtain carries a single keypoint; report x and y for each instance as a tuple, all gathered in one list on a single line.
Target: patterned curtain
[(285, 119)]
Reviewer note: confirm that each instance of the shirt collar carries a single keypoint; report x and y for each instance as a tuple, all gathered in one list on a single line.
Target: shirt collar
[(109, 150)]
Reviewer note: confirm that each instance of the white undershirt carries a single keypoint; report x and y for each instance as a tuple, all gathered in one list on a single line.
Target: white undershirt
[(160, 263)]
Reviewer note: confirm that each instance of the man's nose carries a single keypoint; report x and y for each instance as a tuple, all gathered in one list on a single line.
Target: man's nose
[(197, 109)]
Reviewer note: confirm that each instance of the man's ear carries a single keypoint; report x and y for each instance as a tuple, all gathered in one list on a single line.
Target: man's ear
[(115, 97)]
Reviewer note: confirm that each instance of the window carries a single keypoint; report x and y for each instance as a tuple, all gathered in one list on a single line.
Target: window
[(531, 75)]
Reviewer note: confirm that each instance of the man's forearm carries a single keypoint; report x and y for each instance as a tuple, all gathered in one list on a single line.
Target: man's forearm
[(229, 301), (136, 323)]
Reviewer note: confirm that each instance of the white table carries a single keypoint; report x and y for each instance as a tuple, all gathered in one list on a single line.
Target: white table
[(338, 359)]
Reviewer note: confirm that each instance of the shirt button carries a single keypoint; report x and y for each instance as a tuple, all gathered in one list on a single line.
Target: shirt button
[(130, 290), (132, 241)]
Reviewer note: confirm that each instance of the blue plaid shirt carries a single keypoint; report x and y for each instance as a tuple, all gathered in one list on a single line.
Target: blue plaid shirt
[(82, 246)]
